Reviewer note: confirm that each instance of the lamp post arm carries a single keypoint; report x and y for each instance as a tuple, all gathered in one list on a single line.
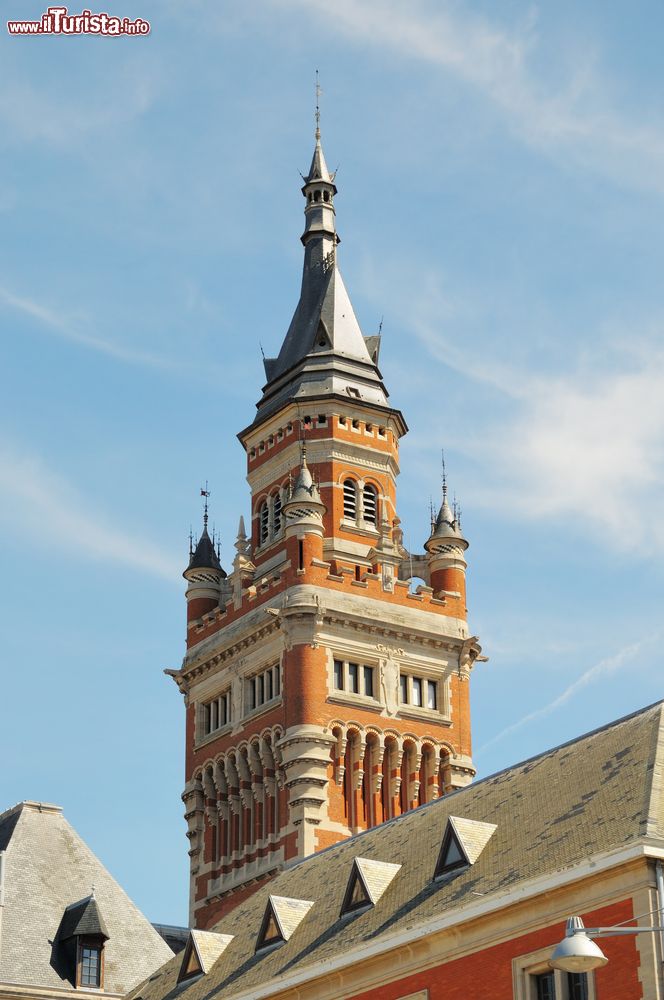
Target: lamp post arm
[(594, 932)]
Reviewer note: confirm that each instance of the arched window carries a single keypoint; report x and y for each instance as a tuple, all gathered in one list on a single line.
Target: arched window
[(263, 523), (350, 499), (276, 513), (370, 504)]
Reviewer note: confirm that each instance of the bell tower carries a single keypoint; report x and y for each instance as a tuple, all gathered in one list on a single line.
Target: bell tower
[(325, 691)]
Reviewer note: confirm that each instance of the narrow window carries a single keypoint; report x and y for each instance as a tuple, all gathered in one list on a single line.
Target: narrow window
[(268, 685), (300, 554), (206, 720), (214, 722), (350, 499), (264, 523), (370, 504), (577, 986), (545, 986), (260, 690), (353, 678), (277, 681), (368, 681), (90, 966), (357, 572), (338, 675), (251, 695), (417, 691), (403, 682), (432, 695), (276, 513)]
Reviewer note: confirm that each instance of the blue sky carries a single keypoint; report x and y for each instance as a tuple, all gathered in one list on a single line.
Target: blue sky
[(501, 205)]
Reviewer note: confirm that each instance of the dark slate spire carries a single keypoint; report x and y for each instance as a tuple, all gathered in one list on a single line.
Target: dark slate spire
[(324, 352), (204, 555)]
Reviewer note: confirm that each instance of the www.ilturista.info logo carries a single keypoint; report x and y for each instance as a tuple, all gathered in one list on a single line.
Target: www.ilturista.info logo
[(58, 21)]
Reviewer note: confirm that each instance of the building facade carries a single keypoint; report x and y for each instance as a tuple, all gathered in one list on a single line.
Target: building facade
[(66, 926), (466, 897), (326, 677)]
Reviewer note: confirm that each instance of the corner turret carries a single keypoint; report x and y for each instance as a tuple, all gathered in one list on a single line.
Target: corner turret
[(445, 552), (204, 573)]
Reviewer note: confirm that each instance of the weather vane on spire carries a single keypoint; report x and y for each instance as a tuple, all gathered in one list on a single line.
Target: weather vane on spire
[(318, 93), (205, 493)]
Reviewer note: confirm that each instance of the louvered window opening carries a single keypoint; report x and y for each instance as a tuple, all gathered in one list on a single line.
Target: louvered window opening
[(276, 513), (350, 499), (370, 504), (264, 526)]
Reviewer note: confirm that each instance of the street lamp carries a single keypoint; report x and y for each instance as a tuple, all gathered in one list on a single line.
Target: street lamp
[(577, 952)]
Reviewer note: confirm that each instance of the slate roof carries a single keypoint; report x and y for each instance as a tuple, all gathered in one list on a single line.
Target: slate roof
[(47, 868), (598, 793)]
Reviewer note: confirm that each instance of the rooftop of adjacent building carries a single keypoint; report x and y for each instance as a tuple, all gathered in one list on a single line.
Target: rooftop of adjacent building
[(579, 803), (52, 887)]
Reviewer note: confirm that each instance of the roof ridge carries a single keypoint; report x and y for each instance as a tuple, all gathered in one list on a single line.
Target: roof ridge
[(33, 805)]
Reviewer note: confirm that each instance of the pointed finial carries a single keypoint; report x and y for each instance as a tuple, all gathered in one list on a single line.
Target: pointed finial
[(318, 93), (380, 326), (191, 542), (241, 530), (432, 513), (93, 891), (442, 452), (262, 351), (205, 493)]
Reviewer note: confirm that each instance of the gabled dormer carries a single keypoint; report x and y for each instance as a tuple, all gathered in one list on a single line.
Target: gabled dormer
[(201, 951), (368, 881), (463, 842), (282, 916)]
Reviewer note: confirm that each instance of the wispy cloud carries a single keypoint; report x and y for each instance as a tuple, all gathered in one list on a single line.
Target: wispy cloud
[(574, 117), (49, 511), (68, 330), (602, 669), (582, 448)]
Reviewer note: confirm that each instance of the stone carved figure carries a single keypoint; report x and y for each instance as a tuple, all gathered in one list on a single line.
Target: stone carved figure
[(389, 683)]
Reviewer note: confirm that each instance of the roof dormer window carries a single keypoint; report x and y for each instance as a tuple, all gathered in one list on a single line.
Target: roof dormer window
[(282, 916), (368, 881), (463, 842)]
